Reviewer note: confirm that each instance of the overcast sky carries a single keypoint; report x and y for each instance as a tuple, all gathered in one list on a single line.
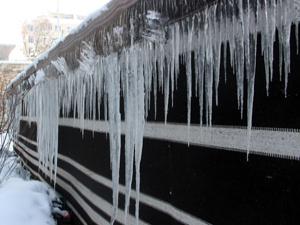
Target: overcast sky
[(14, 12)]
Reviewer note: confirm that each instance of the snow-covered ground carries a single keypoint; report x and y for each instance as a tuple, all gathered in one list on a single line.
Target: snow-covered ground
[(23, 201)]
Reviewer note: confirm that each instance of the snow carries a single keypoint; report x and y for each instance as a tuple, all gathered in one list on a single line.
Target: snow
[(91, 18), (22, 75), (146, 67), (25, 202), (40, 76)]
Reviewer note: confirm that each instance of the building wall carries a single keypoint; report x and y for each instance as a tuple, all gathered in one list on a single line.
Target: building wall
[(181, 183), (189, 174)]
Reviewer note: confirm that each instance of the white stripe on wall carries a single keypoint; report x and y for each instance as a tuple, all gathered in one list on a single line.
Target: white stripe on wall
[(28, 150), (93, 215), (68, 203), (266, 141), (73, 209), (91, 196), (162, 206)]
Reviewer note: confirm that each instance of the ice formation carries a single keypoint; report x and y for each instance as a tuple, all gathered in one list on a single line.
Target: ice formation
[(152, 65), (46, 111)]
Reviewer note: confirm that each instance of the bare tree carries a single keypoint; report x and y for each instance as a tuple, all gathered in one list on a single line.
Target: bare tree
[(7, 116), (38, 36)]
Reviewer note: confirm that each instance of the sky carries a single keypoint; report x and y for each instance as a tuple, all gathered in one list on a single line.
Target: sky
[(14, 12)]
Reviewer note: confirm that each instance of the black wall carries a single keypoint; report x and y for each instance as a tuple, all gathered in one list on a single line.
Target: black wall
[(218, 186)]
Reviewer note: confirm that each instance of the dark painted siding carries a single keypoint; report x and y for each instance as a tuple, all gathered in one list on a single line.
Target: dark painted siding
[(218, 186)]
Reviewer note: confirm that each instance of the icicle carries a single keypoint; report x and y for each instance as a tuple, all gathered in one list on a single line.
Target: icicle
[(200, 71), (161, 65), (297, 36), (208, 71), (155, 88), (251, 67), (139, 136), (280, 36), (189, 72), (225, 61), (216, 51), (130, 115), (177, 52), (172, 63), (286, 42), (224, 37), (271, 32), (134, 119), (113, 88), (139, 71), (46, 110), (264, 27), (239, 53), (166, 93)]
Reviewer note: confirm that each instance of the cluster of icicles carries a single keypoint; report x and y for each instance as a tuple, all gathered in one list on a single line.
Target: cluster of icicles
[(147, 67)]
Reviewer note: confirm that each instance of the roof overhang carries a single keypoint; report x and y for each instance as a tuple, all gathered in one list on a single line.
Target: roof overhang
[(99, 29)]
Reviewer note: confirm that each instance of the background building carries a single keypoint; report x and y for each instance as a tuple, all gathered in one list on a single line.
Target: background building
[(41, 32)]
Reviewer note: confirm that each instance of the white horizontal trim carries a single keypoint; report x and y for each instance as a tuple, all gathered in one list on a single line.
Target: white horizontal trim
[(92, 214), (277, 142), (28, 150), (31, 170), (261, 141), (160, 205), (67, 202), (92, 197), (42, 179), (27, 139), (95, 199), (73, 209)]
